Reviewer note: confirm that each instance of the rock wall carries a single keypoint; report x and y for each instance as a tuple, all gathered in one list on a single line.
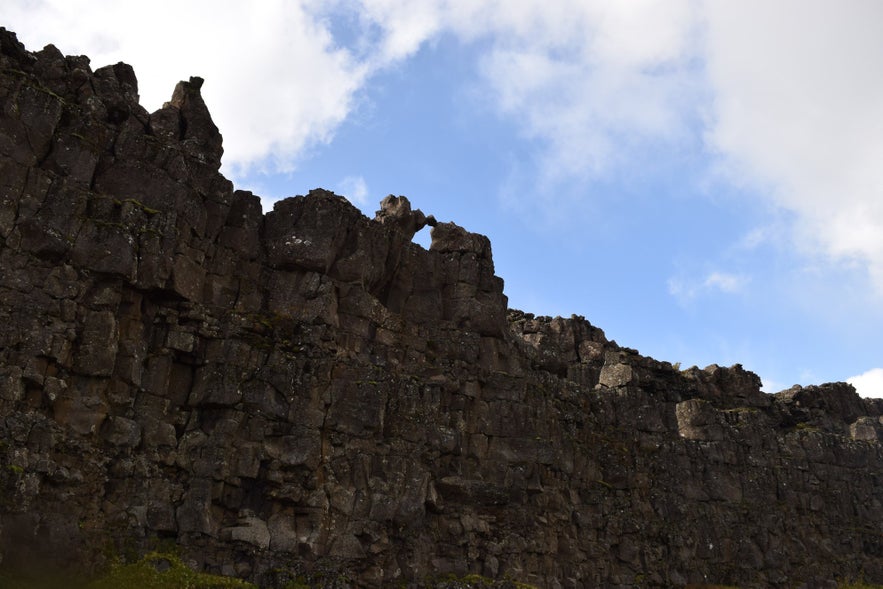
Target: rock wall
[(307, 392)]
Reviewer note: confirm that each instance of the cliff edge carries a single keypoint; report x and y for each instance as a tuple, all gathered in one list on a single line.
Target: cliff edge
[(308, 394)]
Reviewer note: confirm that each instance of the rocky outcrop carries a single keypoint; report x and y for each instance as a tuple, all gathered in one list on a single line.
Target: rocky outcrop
[(308, 393), (396, 210)]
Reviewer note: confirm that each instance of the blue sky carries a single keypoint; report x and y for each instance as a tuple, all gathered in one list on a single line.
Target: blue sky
[(702, 180)]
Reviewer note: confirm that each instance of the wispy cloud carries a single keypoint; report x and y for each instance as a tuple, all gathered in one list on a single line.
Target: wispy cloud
[(769, 385), (725, 282), (355, 189), (686, 289), (868, 384)]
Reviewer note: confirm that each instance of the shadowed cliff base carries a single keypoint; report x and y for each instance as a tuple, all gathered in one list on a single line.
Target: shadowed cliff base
[(308, 391)]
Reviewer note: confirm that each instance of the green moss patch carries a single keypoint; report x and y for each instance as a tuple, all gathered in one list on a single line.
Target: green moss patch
[(162, 571)]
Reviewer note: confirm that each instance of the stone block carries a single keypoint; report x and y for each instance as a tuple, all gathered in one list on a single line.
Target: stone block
[(97, 344), (120, 431)]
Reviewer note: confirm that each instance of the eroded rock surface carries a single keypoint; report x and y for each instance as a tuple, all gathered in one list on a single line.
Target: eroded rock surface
[(306, 392)]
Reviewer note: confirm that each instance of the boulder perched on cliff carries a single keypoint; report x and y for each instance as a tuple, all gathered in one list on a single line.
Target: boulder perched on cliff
[(396, 210), (306, 395)]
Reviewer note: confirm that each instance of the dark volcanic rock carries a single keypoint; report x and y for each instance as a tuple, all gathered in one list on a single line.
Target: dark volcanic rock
[(309, 393)]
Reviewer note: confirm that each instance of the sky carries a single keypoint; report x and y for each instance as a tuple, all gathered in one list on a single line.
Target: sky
[(703, 180)]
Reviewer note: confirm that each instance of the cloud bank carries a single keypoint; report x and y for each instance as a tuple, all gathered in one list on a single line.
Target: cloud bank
[(798, 112)]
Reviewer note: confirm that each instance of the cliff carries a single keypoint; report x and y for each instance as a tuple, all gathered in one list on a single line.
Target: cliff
[(308, 393)]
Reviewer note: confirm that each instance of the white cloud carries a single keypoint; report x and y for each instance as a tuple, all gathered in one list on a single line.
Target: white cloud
[(868, 384), (403, 27), (798, 111)]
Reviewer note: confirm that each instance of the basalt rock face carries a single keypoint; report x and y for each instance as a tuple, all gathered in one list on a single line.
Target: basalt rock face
[(308, 392)]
